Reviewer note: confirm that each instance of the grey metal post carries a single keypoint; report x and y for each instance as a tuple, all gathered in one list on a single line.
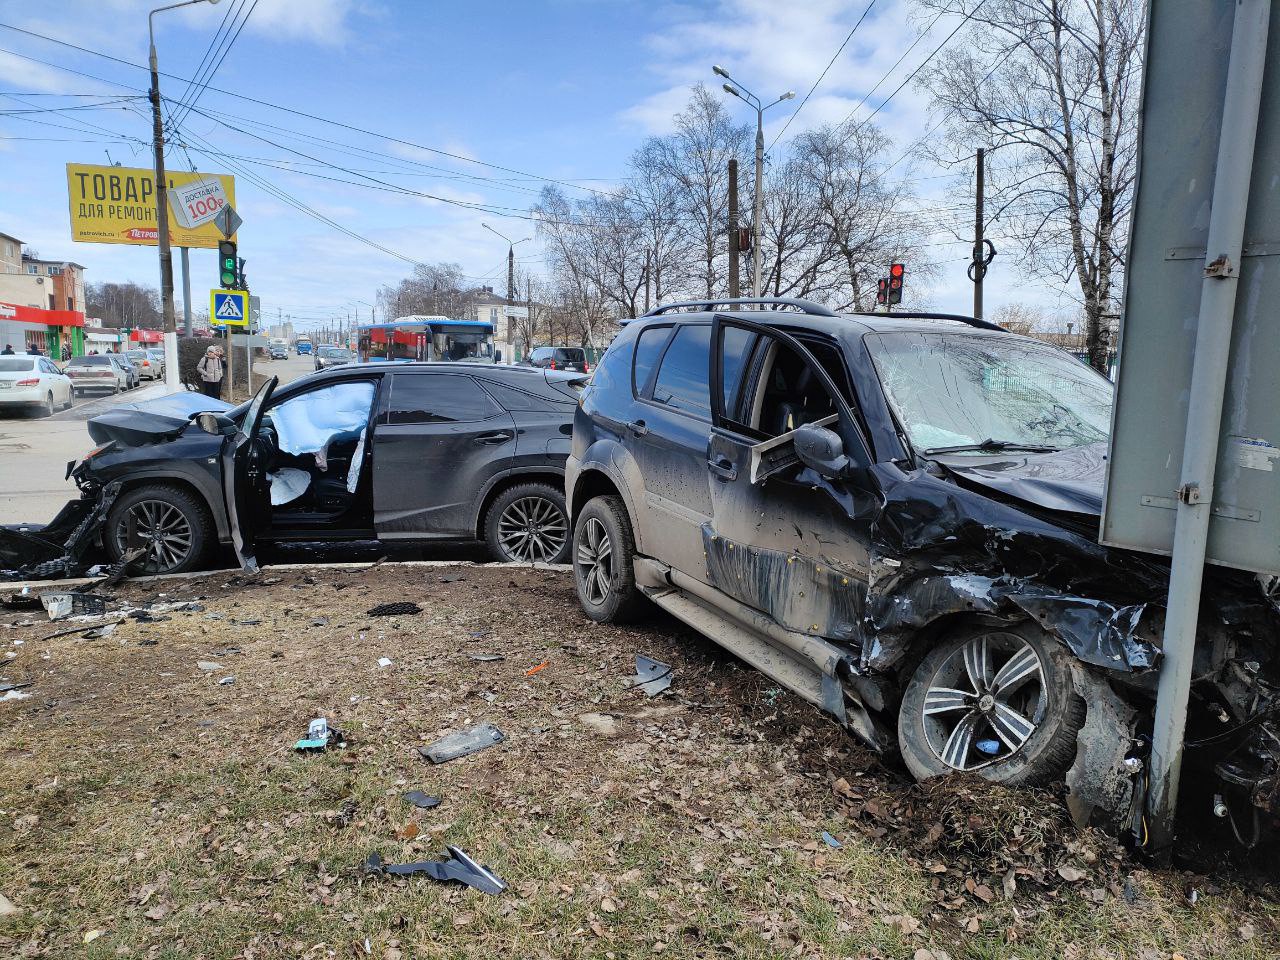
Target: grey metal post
[(1205, 401), (979, 271), (733, 236), (186, 291), (758, 204)]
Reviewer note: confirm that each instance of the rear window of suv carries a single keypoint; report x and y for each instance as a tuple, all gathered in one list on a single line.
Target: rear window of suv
[(682, 375)]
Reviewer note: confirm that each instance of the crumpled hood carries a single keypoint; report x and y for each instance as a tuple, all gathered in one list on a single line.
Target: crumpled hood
[(151, 421), (1068, 481)]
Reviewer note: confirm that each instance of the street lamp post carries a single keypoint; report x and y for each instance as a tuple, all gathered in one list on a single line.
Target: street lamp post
[(749, 98), (172, 379)]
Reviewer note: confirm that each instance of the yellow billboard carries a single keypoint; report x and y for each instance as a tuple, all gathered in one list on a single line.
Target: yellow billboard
[(118, 205)]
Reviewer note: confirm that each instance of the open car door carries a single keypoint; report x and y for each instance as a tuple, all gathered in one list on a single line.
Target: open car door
[(244, 479), (785, 539)]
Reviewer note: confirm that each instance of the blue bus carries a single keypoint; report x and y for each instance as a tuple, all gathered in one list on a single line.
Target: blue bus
[(427, 338)]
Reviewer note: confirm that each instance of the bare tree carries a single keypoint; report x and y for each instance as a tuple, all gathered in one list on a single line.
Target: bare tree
[(1020, 318), (1051, 87), (124, 305)]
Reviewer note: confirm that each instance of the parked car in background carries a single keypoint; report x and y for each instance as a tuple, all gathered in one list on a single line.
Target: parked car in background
[(146, 365), (33, 383), (102, 371), (133, 376), (157, 358), (279, 352), (412, 453), (897, 517), (560, 358), (330, 356)]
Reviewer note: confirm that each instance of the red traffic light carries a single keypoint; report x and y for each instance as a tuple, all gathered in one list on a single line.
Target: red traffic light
[(896, 270)]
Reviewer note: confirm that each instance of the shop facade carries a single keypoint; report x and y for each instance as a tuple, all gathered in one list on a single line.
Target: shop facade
[(54, 333)]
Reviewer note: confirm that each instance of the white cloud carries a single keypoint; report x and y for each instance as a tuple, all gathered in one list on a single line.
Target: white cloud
[(324, 22)]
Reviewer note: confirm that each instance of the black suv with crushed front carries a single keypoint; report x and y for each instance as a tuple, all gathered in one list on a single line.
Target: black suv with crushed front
[(897, 518)]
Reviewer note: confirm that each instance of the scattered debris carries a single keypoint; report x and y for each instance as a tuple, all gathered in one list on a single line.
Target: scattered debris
[(486, 657), (384, 662), (652, 675), (226, 681), (463, 744), (320, 622), (99, 632), (452, 577), (399, 608), (59, 605), (422, 800), (458, 868), (538, 669), (13, 695), (320, 735), (146, 616), (78, 628), (7, 909), (6, 687), (208, 666), (831, 841)]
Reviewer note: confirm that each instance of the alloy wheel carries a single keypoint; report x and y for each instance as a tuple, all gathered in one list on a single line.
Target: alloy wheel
[(532, 530), (594, 561), (49, 408), (985, 701), (162, 529)]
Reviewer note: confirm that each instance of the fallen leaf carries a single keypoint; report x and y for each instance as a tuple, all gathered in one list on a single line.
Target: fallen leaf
[(984, 893), (608, 906), (7, 909), (1070, 874), (92, 935), (158, 912), (1247, 931), (409, 832), (1010, 884)]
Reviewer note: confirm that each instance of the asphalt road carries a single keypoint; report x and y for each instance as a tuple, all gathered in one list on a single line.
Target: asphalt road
[(34, 450)]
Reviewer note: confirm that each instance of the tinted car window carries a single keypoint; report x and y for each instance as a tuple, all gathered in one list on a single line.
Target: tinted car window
[(514, 399), (648, 349), (682, 377), (571, 355), (438, 398), (542, 353), (99, 361), (15, 364), (735, 350)]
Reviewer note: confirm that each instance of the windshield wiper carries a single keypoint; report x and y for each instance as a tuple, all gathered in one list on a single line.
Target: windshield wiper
[(994, 446)]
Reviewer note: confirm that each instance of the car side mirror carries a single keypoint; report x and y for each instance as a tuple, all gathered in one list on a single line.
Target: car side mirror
[(216, 424), (821, 450)]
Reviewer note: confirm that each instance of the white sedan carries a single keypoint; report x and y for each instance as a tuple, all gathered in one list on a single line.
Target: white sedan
[(33, 383)]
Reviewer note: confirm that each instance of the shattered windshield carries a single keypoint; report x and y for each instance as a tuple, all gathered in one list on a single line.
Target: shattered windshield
[(991, 392)]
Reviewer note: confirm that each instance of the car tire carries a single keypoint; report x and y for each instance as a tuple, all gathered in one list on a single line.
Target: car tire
[(537, 505), (604, 549), (49, 408), (1020, 718), (173, 509)]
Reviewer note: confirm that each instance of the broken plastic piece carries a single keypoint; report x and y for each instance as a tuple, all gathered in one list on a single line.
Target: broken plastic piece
[(320, 735), (400, 607), (67, 604), (463, 744), (831, 841), (651, 675), (226, 681), (422, 800), (384, 662), (486, 657), (458, 868), (990, 747), (97, 634), (538, 669)]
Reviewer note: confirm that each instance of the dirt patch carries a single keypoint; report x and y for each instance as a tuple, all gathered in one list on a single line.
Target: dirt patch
[(153, 811)]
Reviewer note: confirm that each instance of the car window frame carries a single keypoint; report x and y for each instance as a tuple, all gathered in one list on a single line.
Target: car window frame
[(385, 411), (657, 368), (645, 391)]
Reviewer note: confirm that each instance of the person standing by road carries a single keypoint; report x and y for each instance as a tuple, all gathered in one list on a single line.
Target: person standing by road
[(210, 370), (7, 351)]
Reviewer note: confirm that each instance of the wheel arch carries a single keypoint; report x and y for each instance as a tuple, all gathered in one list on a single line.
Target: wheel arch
[(185, 483), (552, 476)]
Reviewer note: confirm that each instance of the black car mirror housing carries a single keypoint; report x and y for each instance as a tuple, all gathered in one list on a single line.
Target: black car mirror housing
[(822, 450), (216, 424)]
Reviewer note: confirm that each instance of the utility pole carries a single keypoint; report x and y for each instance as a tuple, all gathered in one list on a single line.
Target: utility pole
[(757, 206), (648, 266), (733, 230), (162, 222), (979, 268)]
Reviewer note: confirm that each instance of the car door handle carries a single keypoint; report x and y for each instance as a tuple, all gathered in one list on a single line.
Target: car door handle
[(638, 428), (723, 467), (498, 436)]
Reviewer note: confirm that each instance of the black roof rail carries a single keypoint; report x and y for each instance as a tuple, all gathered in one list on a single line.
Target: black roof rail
[(803, 306), (914, 315)]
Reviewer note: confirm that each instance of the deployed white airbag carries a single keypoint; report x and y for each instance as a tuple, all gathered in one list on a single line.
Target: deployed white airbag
[(307, 423)]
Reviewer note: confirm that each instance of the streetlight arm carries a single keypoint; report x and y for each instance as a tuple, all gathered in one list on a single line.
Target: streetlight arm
[(151, 30)]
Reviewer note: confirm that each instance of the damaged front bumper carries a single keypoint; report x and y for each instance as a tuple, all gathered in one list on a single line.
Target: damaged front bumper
[(63, 548)]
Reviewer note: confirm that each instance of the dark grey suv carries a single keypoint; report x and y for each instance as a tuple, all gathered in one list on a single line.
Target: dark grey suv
[(897, 517), (406, 453)]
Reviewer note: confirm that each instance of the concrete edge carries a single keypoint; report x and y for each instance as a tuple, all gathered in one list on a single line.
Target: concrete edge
[(33, 585)]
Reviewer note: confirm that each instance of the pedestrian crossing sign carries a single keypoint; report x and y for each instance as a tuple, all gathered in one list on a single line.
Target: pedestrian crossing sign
[(229, 308)]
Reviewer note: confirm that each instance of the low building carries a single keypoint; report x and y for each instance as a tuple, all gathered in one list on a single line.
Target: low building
[(54, 333), (42, 302), (510, 328), (65, 281)]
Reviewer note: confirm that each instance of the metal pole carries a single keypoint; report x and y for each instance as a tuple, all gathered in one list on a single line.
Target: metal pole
[(979, 271), (186, 291), (733, 232), (162, 224), (1204, 408), (758, 205)]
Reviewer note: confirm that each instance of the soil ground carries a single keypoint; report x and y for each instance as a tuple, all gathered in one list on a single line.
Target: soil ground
[(148, 810)]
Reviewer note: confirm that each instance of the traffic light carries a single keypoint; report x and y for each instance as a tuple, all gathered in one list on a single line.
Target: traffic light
[(882, 291), (897, 273), (241, 282), (228, 264)]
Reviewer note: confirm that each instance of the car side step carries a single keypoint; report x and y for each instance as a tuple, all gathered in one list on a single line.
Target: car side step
[(814, 669)]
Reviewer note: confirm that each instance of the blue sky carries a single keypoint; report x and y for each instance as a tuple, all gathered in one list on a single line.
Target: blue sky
[(561, 89)]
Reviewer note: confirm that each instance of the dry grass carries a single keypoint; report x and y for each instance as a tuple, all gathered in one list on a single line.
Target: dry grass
[(141, 799)]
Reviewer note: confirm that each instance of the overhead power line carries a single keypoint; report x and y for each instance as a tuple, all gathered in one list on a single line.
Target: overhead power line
[(202, 86), (209, 50), (835, 56)]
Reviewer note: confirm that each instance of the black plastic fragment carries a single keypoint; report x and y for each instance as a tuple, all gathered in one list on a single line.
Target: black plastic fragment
[(421, 800), (651, 676), (398, 608), (463, 744), (458, 868)]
